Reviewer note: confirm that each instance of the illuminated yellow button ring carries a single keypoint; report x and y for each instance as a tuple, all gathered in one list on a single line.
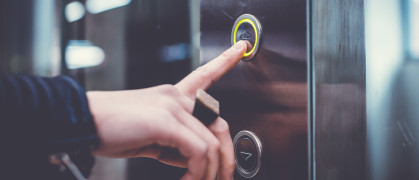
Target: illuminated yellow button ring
[(248, 28)]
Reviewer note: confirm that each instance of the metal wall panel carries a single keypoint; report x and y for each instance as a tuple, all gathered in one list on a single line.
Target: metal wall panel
[(338, 89), (267, 95)]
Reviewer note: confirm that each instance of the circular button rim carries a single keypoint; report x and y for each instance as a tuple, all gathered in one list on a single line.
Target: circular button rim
[(257, 144), (256, 34), (252, 20)]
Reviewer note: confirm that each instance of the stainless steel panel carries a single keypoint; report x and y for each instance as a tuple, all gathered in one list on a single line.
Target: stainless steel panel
[(338, 89), (268, 94)]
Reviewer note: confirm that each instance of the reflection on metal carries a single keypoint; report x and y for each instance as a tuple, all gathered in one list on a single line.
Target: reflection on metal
[(408, 137), (98, 6), (382, 19), (267, 95), (364, 93)]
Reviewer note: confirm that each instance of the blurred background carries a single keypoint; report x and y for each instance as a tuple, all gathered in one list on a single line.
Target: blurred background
[(129, 44), (105, 45), (392, 96)]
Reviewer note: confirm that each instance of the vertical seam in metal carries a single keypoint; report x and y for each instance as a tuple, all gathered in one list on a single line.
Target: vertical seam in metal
[(310, 94)]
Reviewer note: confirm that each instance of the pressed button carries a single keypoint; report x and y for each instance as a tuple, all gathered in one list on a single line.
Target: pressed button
[(245, 31), (247, 27)]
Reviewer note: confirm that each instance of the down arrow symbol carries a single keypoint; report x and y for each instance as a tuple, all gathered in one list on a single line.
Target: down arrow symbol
[(245, 155)]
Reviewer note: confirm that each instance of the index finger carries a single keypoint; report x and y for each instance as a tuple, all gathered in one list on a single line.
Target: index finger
[(204, 76)]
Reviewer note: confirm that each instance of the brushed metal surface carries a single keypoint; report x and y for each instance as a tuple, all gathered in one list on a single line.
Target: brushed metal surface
[(338, 89), (267, 95)]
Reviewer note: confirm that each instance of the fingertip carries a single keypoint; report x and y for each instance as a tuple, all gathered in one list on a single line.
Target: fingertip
[(249, 46), (241, 45)]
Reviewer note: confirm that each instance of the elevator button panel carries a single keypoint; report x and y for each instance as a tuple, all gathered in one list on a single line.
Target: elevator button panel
[(248, 28), (248, 152)]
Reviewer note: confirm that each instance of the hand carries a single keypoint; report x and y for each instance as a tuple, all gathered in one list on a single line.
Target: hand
[(157, 122)]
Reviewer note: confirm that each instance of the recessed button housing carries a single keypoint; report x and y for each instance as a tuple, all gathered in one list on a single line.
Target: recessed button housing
[(248, 152), (247, 27)]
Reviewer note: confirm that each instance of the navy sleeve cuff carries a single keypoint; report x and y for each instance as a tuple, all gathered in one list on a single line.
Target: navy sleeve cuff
[(46, 114)]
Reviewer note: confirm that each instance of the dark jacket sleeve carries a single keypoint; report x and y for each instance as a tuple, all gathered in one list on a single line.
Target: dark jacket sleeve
[(40, 117), (46, 115)]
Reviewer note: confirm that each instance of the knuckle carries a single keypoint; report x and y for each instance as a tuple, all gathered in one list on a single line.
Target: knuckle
[(172, 106), (230, 163), (214, 148), (166, 115), (201, 151), (225, 55), (167, 105), (203, 72), (163, 101), (169, 89), (222, 127), (216, 145)]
